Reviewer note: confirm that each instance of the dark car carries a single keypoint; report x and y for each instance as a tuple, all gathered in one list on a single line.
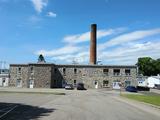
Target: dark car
[(131, 89), (157, 86), (69, 87), (80, 86), (142, 88)]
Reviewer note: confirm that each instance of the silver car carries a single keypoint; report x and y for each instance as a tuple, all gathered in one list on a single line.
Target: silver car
[(69, 87)]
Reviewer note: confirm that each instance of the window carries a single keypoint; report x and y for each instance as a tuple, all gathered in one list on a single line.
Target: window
[(75, 71), (64, 70), (127, 72), (105, 71), (105, 83), (75, 82), (3, 71), (95, 82), (32, 70), (116, 72), (55, 70), (3, 79), (19, 70)]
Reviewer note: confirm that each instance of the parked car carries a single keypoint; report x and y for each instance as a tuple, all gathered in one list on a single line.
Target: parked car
[(131, 89), (80, 86), (142, 88), (157, 86), (69, 87)]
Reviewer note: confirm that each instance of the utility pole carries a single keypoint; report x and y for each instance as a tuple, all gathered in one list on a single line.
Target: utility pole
[(0, 67)]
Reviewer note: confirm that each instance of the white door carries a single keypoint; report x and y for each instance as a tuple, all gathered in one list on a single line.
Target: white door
[(96, 84), (19, 83), (31, 83), (3, 82)]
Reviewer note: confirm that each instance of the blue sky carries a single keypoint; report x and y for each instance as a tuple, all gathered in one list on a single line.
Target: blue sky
[(59, 29)]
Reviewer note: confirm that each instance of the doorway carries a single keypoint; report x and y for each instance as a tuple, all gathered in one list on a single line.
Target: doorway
[(116, 85), (19, 83), (96, 84), (127, 83), (31, 83)]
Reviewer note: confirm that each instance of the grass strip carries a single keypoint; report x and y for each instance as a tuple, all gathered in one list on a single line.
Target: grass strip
[(151, 99)]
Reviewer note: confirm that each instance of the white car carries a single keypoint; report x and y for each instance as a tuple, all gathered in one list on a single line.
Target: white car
[(69, 87)]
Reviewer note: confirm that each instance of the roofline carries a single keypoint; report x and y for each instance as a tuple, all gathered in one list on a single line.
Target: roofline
[(96, 65), (31, 64), (74, 65), (18, 64)]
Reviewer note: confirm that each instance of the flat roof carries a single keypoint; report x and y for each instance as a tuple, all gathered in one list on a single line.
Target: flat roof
[(75, 65), (80, 65), (32, 64)]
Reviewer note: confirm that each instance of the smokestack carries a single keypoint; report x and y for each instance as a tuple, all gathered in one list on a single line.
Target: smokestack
[(93, 45)]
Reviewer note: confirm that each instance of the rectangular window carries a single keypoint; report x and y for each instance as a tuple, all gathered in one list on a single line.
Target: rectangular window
[(64, 70), (3, 71), (105, 71), (32, 70), (19, 70), (75, 82), (116, 72), (105, 83), (75, 71), (55, 70), (127, 72)]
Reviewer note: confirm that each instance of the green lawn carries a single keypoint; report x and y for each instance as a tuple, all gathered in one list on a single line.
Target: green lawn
[(152, 99)]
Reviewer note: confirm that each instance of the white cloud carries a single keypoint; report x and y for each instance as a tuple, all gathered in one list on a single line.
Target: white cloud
[(133, 36), (51, 14), (39, 4), (130, 54), (126, 48), (69, 49), (78, 38), (80, 57)]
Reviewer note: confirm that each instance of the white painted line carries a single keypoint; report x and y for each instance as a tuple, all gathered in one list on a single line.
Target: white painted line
[(2, 110), (8, 111)]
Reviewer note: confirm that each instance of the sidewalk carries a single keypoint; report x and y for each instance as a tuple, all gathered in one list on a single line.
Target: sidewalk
[(155, 91), (34, 90)]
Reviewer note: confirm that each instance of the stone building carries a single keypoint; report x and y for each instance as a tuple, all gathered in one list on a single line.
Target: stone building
[(56, 76), (45, 75)]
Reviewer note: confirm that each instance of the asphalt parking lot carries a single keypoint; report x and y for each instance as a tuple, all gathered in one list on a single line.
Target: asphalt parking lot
[(75, 105)]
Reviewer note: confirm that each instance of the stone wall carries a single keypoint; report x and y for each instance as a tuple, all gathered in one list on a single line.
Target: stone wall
[(41, 75), (16, 74), (89, 74), (56, 76)]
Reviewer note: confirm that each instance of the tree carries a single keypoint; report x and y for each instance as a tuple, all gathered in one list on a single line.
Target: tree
[(148, 66), (41, 59)]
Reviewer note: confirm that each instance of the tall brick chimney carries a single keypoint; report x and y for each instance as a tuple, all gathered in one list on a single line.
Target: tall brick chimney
[(93, 45)]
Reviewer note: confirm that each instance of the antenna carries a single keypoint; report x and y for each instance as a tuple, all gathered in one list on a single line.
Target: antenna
[(99, 61), (75, 61)]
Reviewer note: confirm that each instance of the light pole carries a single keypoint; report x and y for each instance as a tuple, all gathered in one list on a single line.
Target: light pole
[(99, 61)]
